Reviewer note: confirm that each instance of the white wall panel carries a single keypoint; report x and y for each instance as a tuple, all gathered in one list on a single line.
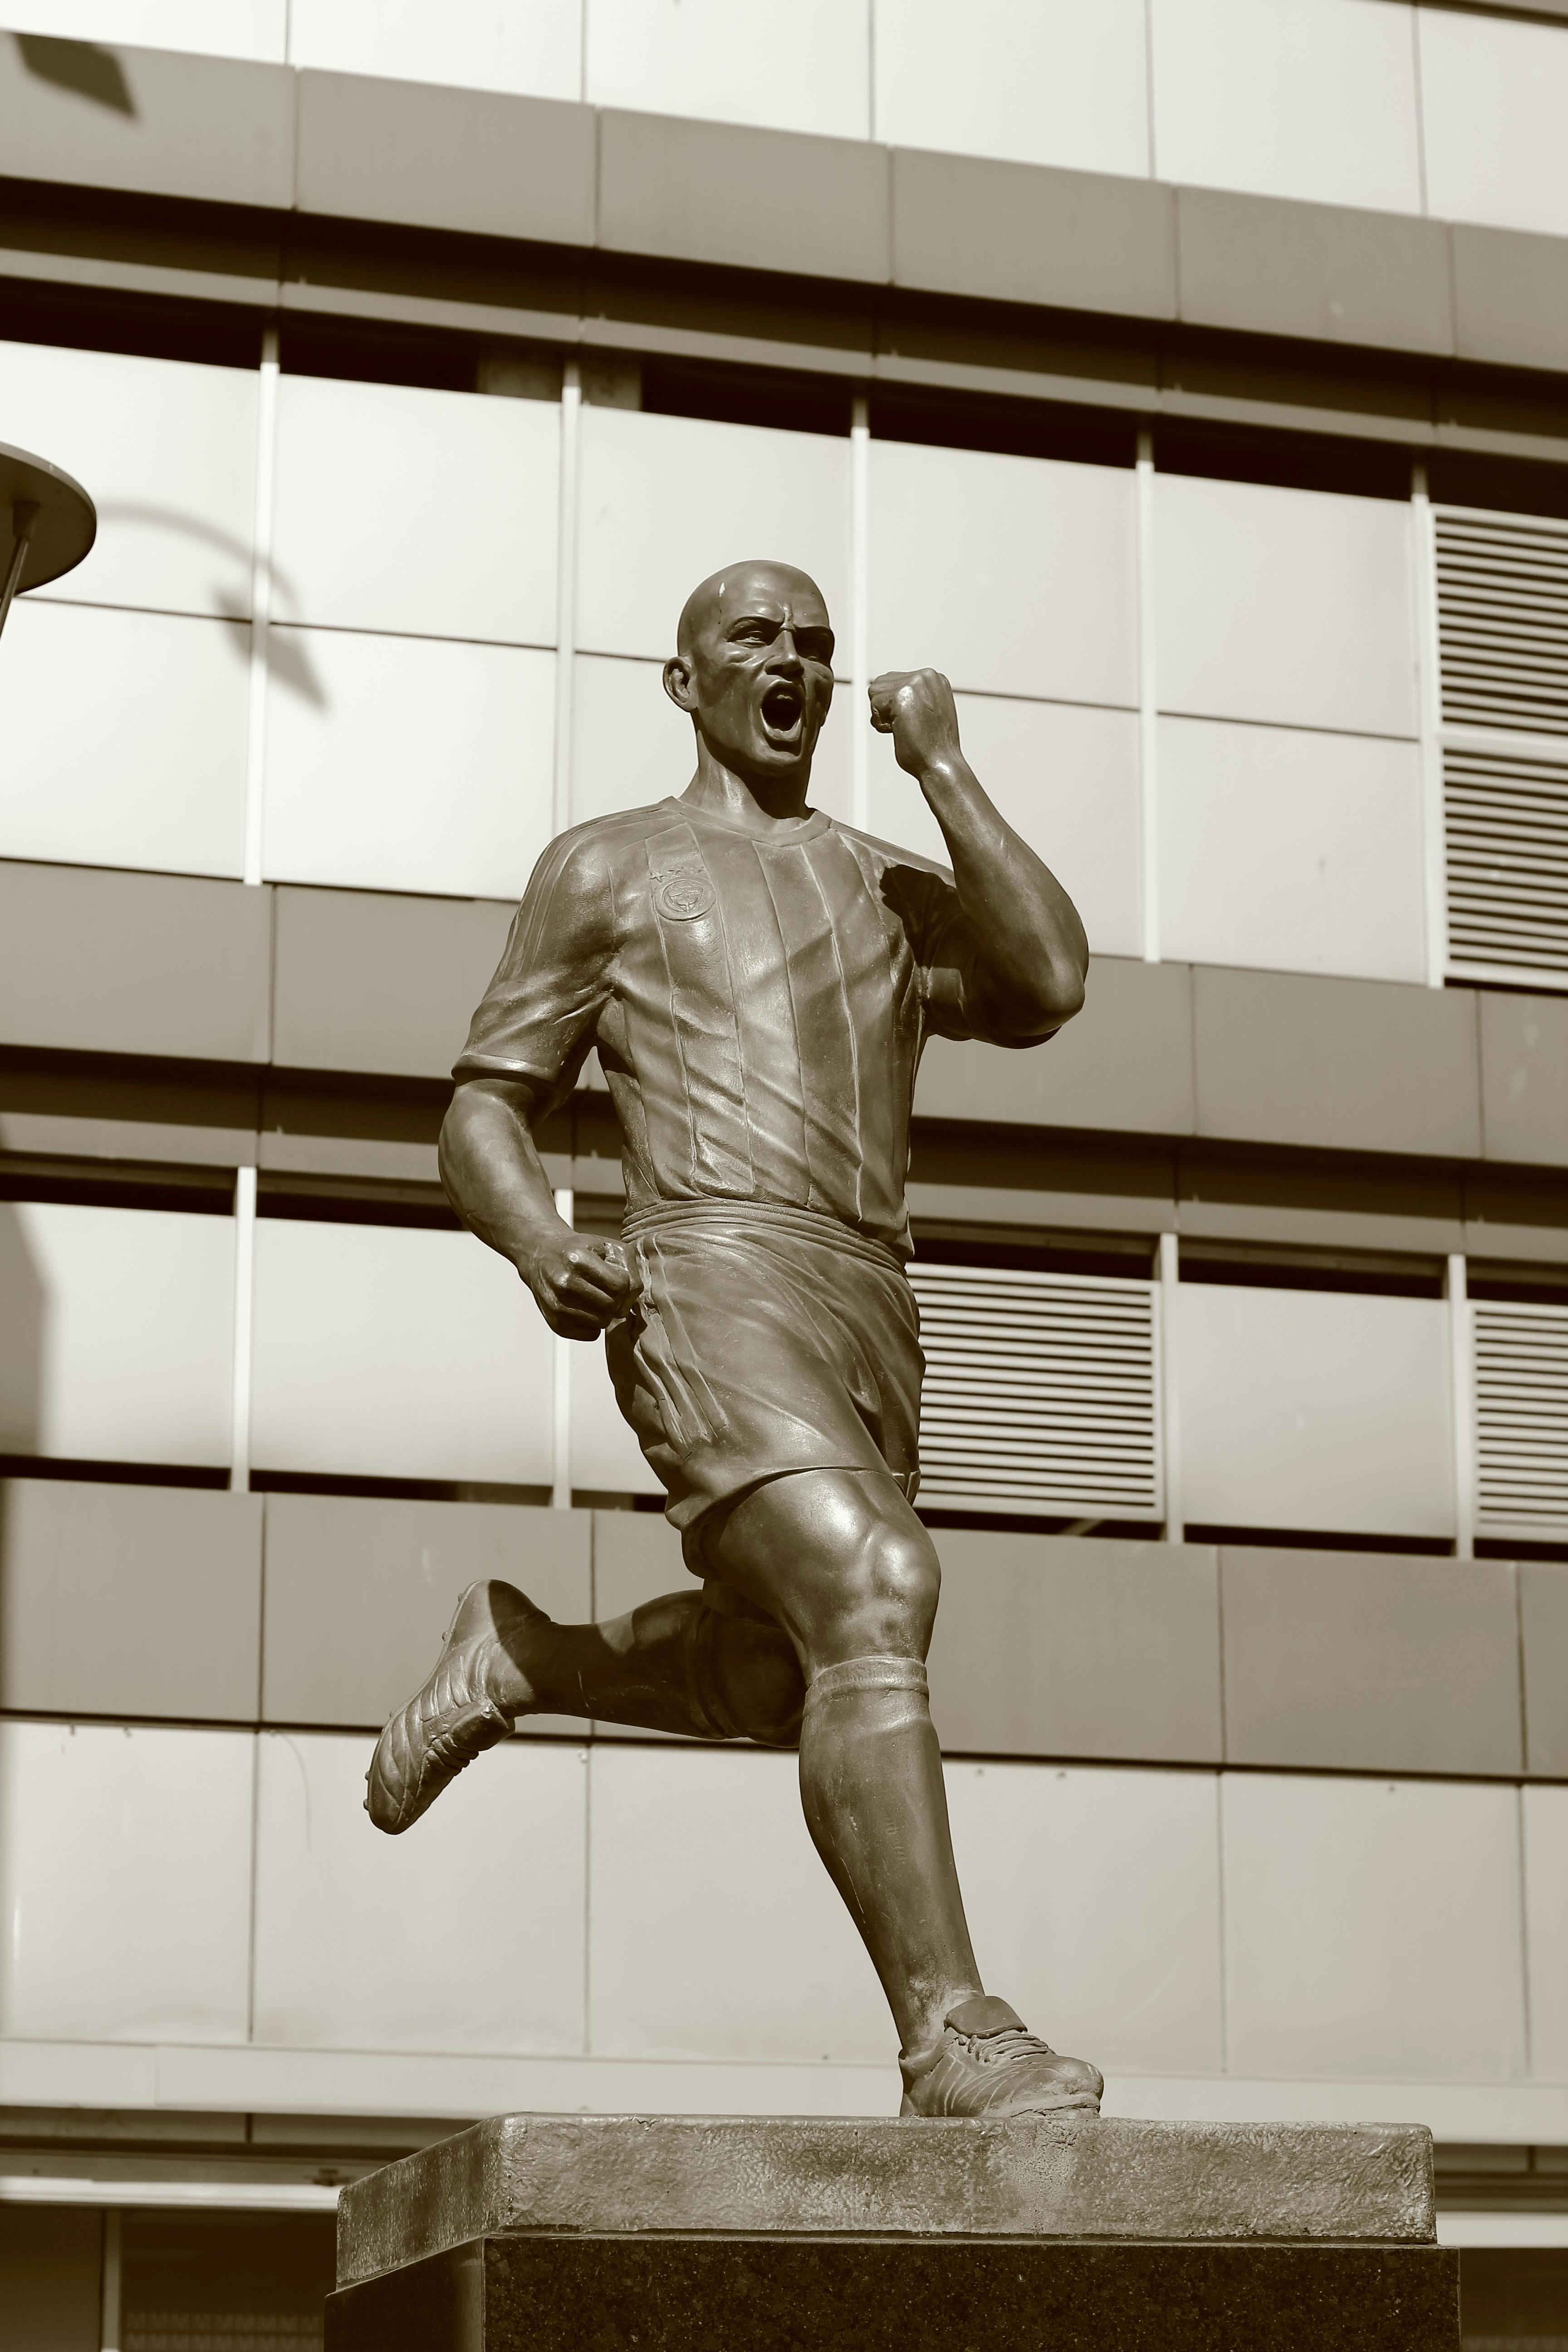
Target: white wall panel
[(715, 1931), (239, 28), (166, 450), (1063, 778), (708, 58), (397, 1351), (1013, 575), (118, 1328), (1546, 1928), (667, 501), (1494, 99), (397, 763), (478, 44), (1128, 1971), (1291, 606), (1061, 81), (125, 739), (359, 1944), (1291, 851), (1314, 99), (124, 1883), (1372, 1929), (631, 747), (433, 513), (1321, 1409), (606, 1457)]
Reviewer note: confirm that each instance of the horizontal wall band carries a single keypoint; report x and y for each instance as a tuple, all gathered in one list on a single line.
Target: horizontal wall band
[(176, 968), (142, 2077), (483, 164), (1047, 1647)]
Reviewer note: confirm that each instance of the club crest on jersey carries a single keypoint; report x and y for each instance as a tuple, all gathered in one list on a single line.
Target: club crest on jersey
[(684, 897)]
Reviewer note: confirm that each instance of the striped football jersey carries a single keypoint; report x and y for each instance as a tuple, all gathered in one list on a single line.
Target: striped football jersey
[(759, 1003)]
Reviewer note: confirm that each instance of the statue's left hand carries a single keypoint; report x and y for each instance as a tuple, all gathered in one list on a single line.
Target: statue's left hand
[(915, 707)]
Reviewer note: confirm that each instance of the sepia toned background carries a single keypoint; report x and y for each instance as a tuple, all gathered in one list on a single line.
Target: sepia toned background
[(1185, 378)]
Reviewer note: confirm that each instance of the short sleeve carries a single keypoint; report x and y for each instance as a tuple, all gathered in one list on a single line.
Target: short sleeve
[(539, 1014), (942, 939)]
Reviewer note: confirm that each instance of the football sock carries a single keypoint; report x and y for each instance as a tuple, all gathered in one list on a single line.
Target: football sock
[(871, 1784)]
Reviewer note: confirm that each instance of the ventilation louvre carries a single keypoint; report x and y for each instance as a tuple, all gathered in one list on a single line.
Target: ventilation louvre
[(1502, 608), (1041, 1393), (1506, 821), (1522, 1420)]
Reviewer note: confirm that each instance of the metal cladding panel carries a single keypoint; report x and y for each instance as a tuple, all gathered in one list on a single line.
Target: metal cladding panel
[(1502, 609), (1511, 296), (1041, 1392), (480, 162), (1506, 823), (1522, 1420)]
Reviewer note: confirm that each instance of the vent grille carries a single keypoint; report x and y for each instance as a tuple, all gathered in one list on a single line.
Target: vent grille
[(1522, 1420), (1502, 610), (1041, 1393), (1507, 826)]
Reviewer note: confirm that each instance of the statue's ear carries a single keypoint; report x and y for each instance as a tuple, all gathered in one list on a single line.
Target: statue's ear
[(678, 682)]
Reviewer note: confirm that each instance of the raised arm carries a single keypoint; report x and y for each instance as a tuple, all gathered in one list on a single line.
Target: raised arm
[(1028, 955), (495, 1180)]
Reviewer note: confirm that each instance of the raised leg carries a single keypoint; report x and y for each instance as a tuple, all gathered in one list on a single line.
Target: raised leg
[(676, 1663)]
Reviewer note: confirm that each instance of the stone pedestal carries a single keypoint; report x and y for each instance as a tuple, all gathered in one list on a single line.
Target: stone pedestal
[(570, 2233)]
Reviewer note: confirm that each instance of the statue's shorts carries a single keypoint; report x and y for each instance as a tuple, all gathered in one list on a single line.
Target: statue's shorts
[(762, 1340)]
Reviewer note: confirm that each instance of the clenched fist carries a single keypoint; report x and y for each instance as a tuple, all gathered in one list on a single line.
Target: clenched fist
[(581, 1282), (915, 707)]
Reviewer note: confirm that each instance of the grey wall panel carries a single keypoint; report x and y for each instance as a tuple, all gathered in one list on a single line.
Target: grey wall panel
[(1347, 1065), (1126, 1062), (756, 199), (129, 1601), (360, 1591), (636, 1556), (457, 159), (1264, 266), (97, 961), (1543, 1621), (1369, 1661), (152, 120), (1524, 1077), (1065, 1646), (367, 981), (1511, 298), (1012, 232)]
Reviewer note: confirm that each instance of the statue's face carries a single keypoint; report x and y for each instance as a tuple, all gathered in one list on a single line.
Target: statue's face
[(756, 670)]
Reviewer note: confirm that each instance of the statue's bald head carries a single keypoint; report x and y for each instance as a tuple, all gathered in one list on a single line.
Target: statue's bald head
[(725, 591), (753, 666)]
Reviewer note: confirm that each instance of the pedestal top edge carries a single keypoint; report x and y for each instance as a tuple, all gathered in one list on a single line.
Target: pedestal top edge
[(1068, 2176)]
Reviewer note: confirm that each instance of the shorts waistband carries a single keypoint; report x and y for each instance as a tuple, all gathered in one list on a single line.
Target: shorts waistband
[(755, 1220)]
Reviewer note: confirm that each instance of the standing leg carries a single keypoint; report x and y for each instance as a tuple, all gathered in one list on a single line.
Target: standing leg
[(842, 1561)]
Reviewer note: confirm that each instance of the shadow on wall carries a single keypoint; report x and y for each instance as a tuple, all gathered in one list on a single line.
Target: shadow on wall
[(81, 67), (287, 661)]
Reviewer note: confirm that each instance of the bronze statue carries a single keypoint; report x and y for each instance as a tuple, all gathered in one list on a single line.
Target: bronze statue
[(759, 980)]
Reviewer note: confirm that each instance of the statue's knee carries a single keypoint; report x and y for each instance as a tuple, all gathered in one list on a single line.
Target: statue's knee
[(894, 1587)]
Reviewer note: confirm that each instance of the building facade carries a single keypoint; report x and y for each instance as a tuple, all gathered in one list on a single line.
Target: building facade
[(1187, 379)]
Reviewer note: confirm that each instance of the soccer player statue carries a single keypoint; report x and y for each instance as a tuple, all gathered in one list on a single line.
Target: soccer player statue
[(759, 980)]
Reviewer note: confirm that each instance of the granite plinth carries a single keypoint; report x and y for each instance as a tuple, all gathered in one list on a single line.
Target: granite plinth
[(530, 2232), (522, 2293)]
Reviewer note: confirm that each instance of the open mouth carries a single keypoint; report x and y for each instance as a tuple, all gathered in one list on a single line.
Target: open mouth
[(783, 707)]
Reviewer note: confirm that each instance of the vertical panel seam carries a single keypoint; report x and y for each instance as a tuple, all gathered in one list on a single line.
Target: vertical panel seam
[(261, 608)]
